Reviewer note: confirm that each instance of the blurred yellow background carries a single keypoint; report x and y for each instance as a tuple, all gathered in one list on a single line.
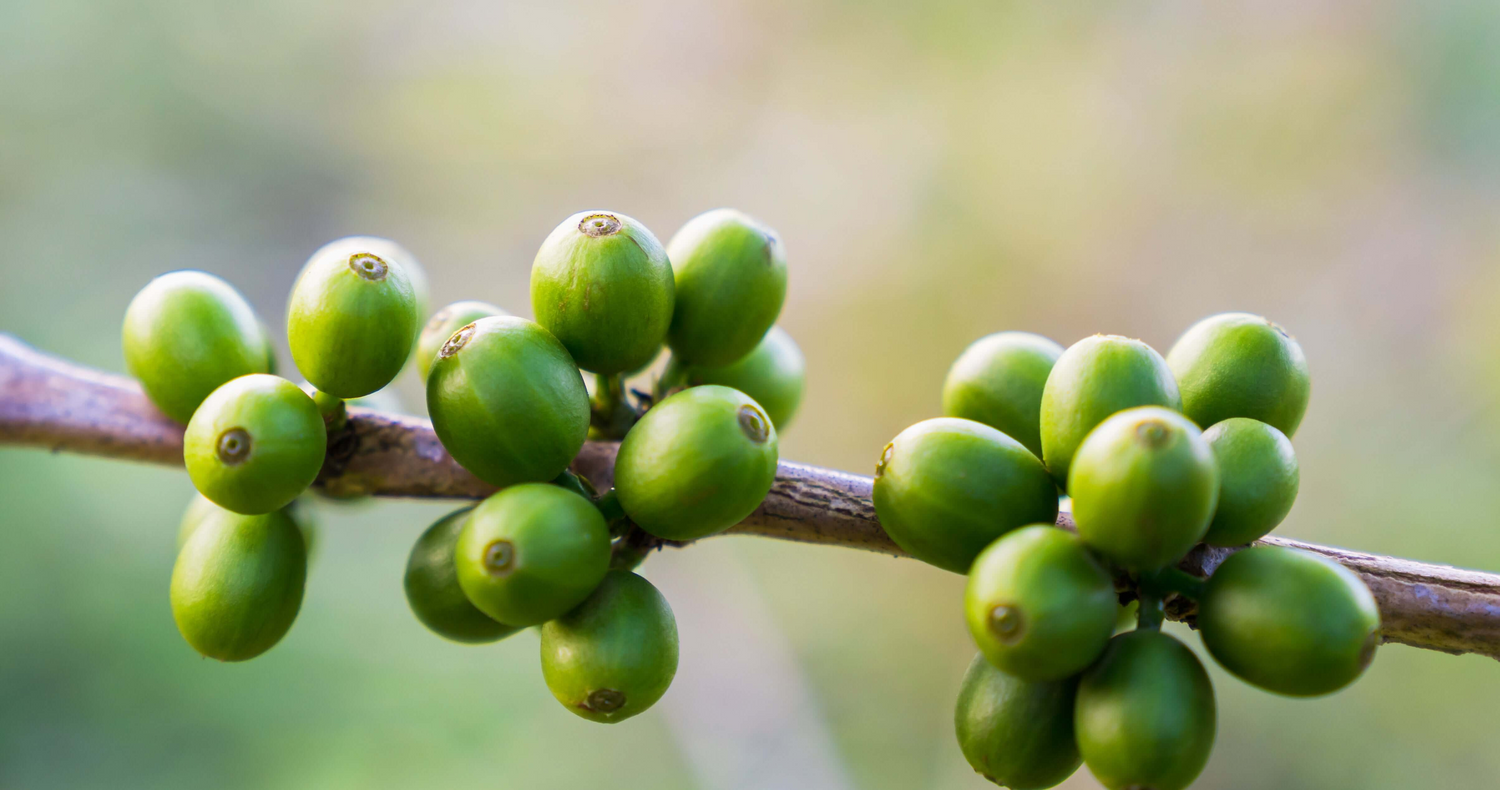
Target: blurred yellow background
[(938, 171)]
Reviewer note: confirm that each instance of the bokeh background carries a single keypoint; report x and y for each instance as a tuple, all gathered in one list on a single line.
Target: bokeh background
[(938, 170)]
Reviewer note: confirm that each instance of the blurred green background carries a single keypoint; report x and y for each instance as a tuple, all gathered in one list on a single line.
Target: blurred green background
[(937, 170)]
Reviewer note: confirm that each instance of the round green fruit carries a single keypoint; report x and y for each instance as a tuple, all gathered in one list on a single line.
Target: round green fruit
[(352, 319), (1241, 365), (998, 381), (1144, 487), (1289, 621), (443, 324), (731, 282), (773, 374), (531, 552), (946, 488), (255, 444), (1258, 480), (507, 401), (615, 655), (1039, 606), (433, 591), (1017, 733), (602, 284), (238, 583), (1145, 714), (697, 463), (1095, 378), (185, 334), (201, 507)]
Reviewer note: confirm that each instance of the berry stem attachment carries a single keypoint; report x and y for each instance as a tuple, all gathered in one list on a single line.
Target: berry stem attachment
[(673, 377), (1150, 614), (1173, 581), (612, 414), (335, 413), (614, 513)]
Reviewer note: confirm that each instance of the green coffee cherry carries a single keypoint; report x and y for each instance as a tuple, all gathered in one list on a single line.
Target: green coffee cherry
[(998, 381), (352, 319), (255, 444), (1017, 733), (1039, 606), (602, 284), (615, 655), (531, 552), (1289, 621), (946, 488), (773, 375), (1145, 715), (1258, 480), (731, 281), (697, 463), (185, 334), (1096, 377), (1241, 365), (433, 591), (507, 401), (443, 324), (1144, 487), (201, 507), (238, 583)]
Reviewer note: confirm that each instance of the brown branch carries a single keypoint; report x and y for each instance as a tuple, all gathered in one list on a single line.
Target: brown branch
[(47, 402)]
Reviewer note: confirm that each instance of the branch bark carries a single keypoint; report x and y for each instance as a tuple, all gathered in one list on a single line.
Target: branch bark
[(50, 403)]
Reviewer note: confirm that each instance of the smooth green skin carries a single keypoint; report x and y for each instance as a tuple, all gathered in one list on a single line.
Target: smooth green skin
[(1241, 365), (1095, 378), (1145, 485), (609, 297), (1258, 480), (287, 444), (443, 324), (945, 488), (1145, 714), (201, 507), (433, 592), (388, 250), (1056, 604), (774, 374), (185, 334), (1017, 733), (998, 381), (731, 281), (559, 550), (509, 405), (238, 583), (623, 639), (350, 335), (1288, 621), (690, 468)]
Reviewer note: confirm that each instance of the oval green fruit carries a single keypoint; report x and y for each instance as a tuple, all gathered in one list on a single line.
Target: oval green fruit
[(1289, 621), (1241, 365), (1039, 606), (1017, 733), (602, 284), (531, 552), (185, 334), (615, 655), (255, 444), (773, 375), (433, 591), (201, 507), (238, 583), (1145, 714), (352, 319), (443, 324), (1095, 378), (998, 381), (731, 282), (507, 401), (697, 463), (1258, 480), (946, 488), (1144, 487)]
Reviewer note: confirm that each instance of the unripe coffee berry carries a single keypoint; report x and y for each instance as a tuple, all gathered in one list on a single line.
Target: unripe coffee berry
[(730, 272), (255, 444)]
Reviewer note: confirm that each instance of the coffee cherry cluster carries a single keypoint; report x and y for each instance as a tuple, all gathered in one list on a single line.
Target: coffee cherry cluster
[(1114, 432), (507, 398)]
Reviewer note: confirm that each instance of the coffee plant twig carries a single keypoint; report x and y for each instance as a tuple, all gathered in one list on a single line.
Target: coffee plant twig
[(50, 403)]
